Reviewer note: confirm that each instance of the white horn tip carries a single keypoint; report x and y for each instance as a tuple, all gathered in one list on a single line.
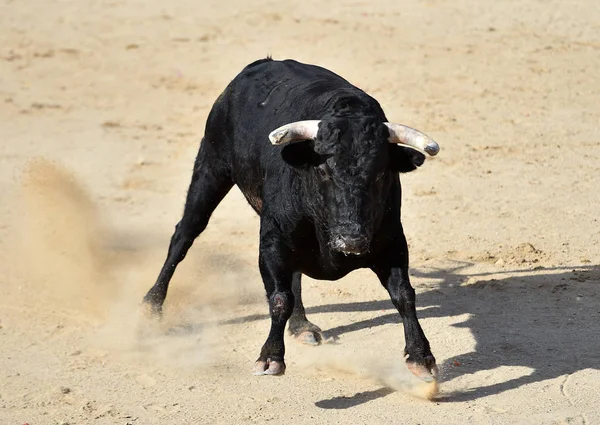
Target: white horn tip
[(432, 148)]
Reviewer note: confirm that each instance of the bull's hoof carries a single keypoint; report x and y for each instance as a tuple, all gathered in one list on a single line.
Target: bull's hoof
[(153, 307), (306, 332), (426, 370), (151, 310), (269, 367), (309, 337)]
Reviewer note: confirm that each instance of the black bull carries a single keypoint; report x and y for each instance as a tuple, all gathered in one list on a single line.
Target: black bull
[(328, 204)]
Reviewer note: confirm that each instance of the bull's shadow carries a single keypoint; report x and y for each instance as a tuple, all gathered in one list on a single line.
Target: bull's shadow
[(546, 320)]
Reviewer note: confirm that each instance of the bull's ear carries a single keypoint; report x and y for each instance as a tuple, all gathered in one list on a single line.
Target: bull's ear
[(300, 154), (404, 160)]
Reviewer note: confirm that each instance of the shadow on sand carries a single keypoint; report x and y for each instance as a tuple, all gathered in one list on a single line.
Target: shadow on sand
[(546, 320)]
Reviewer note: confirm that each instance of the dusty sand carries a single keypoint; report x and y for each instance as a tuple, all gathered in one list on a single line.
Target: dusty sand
[(102, 106)]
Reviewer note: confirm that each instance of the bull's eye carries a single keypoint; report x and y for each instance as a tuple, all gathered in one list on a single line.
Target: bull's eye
[(323, 172)]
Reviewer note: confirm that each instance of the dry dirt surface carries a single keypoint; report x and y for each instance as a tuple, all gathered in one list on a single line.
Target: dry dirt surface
[(102, 107)]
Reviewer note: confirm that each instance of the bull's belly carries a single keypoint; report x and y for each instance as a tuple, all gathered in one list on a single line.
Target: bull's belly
[(325, 274), (335, 268)]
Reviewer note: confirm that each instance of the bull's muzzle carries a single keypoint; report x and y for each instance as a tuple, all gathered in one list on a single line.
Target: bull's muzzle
[(350, 244)]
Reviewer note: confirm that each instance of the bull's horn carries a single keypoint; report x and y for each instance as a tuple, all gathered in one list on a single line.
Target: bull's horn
[(299, 130), (410, 137)]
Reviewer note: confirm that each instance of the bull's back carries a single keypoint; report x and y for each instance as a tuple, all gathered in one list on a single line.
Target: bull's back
[(268, 94)]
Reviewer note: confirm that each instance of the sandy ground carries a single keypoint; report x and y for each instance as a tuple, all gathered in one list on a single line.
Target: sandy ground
[(102, 106)]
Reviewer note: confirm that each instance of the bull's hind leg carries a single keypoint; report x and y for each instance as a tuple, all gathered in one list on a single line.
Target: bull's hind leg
[(393, 274), (300, 327), (211, 180)]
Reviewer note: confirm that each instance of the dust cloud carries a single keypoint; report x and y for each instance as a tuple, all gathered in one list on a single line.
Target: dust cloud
[(335, 360), (69, 258)]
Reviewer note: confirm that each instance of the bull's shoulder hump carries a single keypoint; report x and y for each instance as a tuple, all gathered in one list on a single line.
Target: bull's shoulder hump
[(289, 69), (258, 62), (315, 71)]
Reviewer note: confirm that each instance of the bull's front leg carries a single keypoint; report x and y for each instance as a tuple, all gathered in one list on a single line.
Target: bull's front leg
[(393, 275), (276, 271)]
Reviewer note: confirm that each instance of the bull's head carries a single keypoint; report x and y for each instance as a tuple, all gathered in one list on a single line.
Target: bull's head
[(352, 162)]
